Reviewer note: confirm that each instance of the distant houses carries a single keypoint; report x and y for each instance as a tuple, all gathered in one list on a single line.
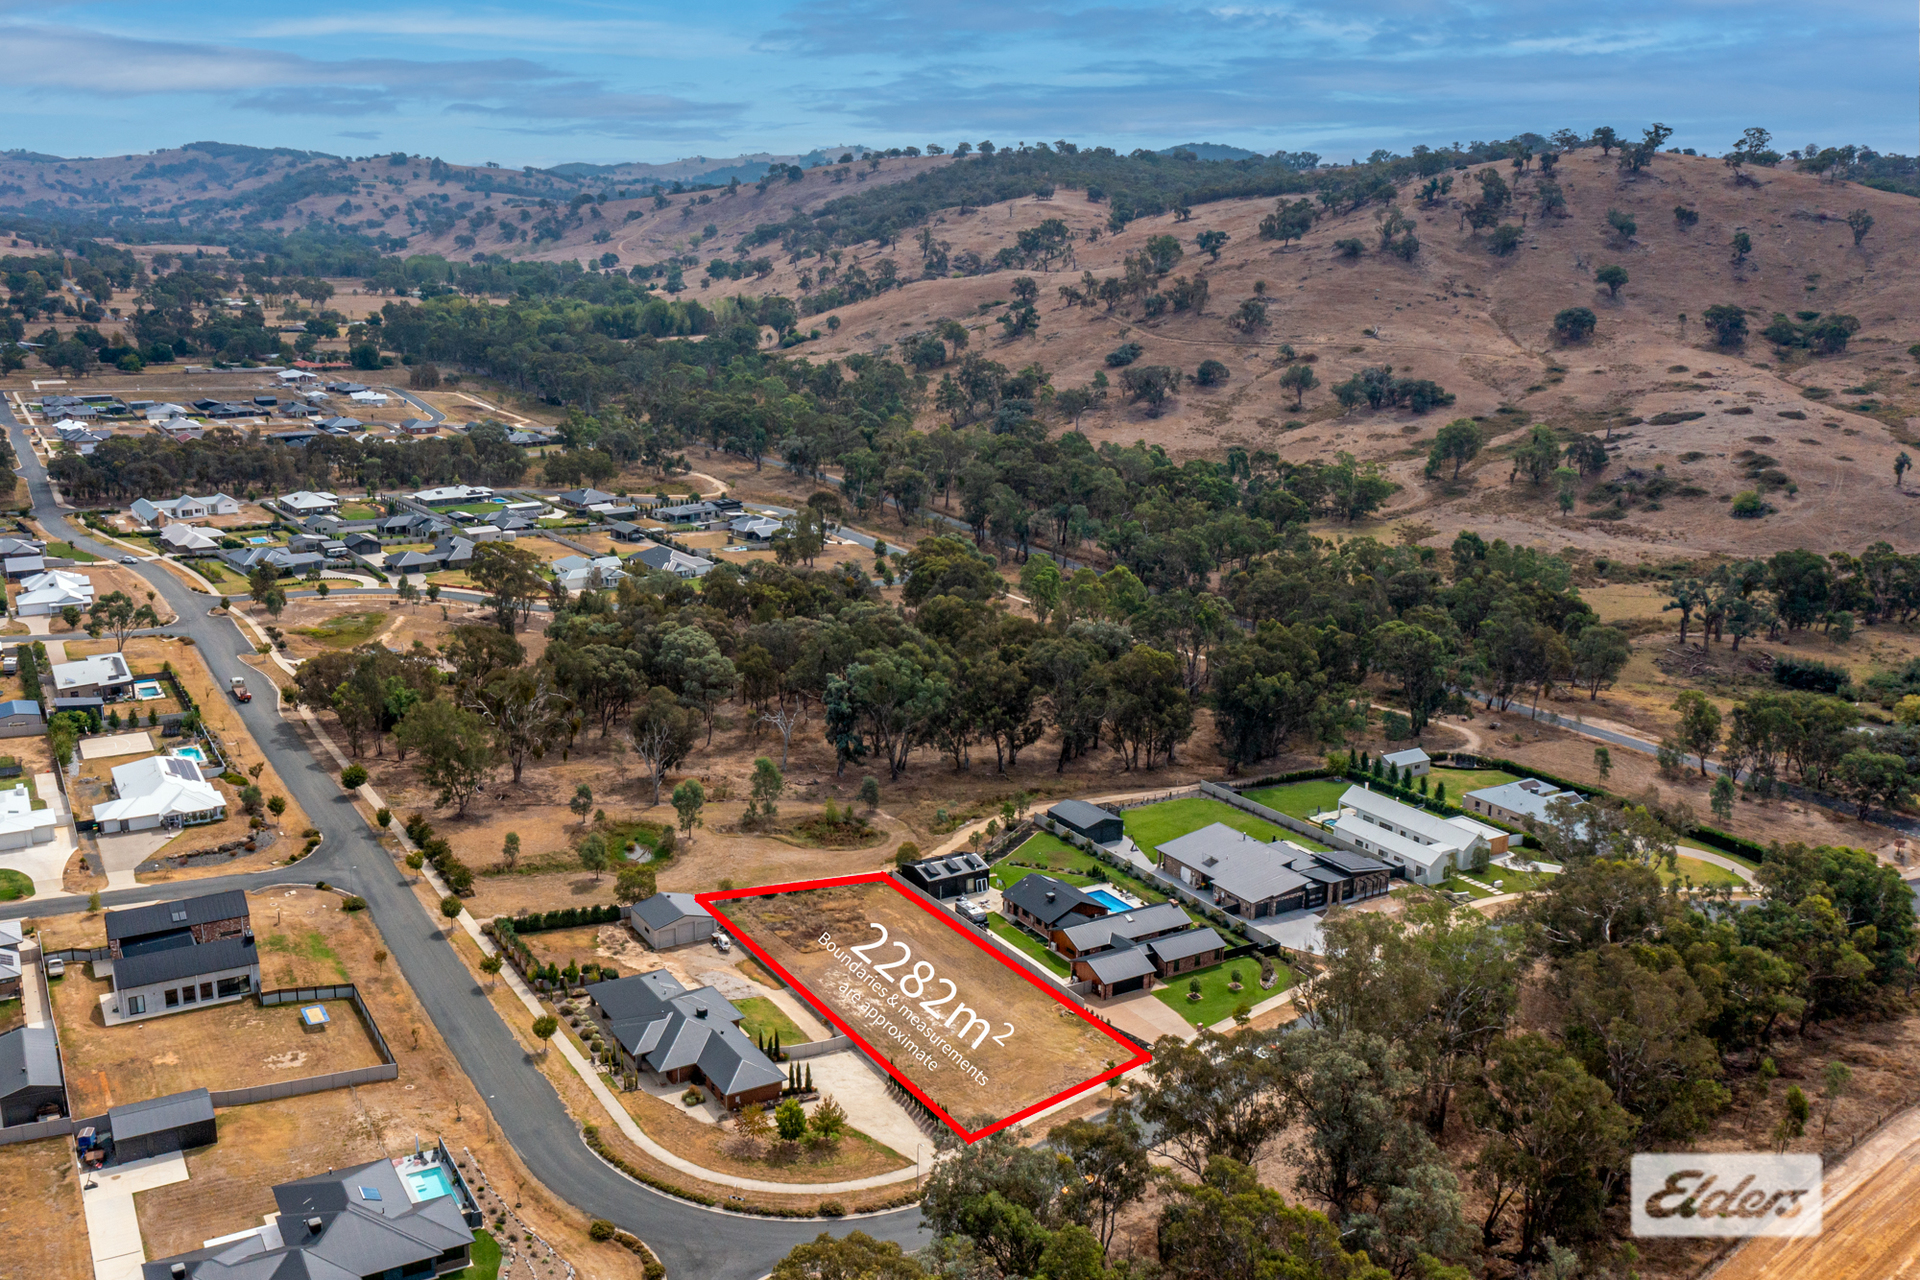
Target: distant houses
[(48, 592), (185, 507), (1425, 846), (453, 495), (308, 503), (1257, 879), (655, 558)]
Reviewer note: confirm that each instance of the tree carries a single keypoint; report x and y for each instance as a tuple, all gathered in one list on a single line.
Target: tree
[(1459, 442), (1537, 456), (1699, 729), (1874, 778), (828, 1122), (1299, 379), (689, 798), (1742, 246), (790, 1118), (543, 1028), (454, 750), (1861, 222), (1419, 660), (1612, 276), (1602, 763), (1599, 656), (856, 1257), (1230, 1227), (1346, 1090), (1575, 324), (513, 576), (1556, 1141), (1622, 223), (1211, 242), (1110, 1159), (1214, 1096), (118, 614), (525, 711), (1722, 798), (1606, 139), (634, 884), (451, 907), (663, 734), (510, 850), (1637, 1029), (763, 792), (353, 777), (593, 855), (1728, 322), (1419, 1221), (1901, 465)]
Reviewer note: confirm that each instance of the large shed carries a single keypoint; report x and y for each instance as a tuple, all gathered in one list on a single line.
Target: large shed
[(669, 920), (1098, 825), (157, 1126), (30, 1083)]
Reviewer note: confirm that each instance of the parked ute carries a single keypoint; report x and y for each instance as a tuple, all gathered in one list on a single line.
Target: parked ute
[(240, 693)]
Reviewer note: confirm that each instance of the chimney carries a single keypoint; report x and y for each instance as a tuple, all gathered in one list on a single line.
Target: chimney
[(700, 1011), (178, 1270), (1049, 895), (314, 1225)]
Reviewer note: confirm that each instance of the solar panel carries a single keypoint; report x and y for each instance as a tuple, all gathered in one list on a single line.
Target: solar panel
[(369, 1193)]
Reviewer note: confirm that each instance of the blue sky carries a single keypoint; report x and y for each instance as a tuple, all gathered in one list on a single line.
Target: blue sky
[(603, 82)]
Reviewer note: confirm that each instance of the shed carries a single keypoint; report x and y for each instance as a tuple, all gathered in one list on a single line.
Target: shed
[(21, 718), (30, 1082), (1089, 820), (157, 1126), (670, 920), (1412, 762)]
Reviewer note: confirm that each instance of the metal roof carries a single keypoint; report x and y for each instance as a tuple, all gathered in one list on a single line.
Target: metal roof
[(175, 963), (1128, 926), (157, 1115), (182, 912), (663, 910), (1030, 894), (29, 1059), (1178, 946), (1118, 966), (1079, 815), (1249, 869)]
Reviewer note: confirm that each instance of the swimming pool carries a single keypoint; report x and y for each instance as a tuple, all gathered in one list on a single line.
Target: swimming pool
[(148, 690), (261, 542), (1109, 899), (427, 1184), (191, 753)]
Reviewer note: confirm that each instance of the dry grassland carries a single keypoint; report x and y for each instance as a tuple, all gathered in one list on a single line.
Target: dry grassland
[(43, 1230), (1028, 1044)]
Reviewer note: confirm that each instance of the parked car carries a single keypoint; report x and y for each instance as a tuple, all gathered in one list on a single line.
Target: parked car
[(240, 693), (722, 942), (129, 559), (56, 968)]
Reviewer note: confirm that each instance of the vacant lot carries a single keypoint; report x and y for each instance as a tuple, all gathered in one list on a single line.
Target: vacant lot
[(227, 1046), (43, 1232), (1024, 1044)]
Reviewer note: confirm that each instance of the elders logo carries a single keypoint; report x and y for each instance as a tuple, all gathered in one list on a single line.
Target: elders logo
[(1726, 1194)]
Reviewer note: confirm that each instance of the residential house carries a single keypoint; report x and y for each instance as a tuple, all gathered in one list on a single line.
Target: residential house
[(581, 499), (526, 439), (453, 495), (14, 547), (658, 559), (487, 533), (702, 512), (579, 573), (31, 1086), (419, 427), (669, 920), (282, 560), (180, 430), (298, 438), (162, 412), (160, 792), (81, 438), (1516, 803), (184, 539), (405, 562), (21, 824), (1116, 972), (105, 675), (407, 1216), (1130, 965), (368, 397), (361, 544), (1042, 904), (1102, 826), (185, 507), (177, 955), (48, 593), (308, 503), (1255, 878), (953, 876), (21, 718), (414, 526), (1425, 846), (296, 378), (12, 938), (626, 531), (339, 426), (1413, 762), (684, 1037), (453, 551), (754, 528), (346, 388), (19, 568), (1119, 928), (530, 509)]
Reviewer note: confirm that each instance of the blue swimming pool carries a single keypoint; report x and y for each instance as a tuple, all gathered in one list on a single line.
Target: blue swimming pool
[(1109, 900), (427, 1184), (191, 753), (148, 690)]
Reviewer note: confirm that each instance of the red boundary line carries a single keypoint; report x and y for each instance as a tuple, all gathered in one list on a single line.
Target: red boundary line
[(1137, 1056)]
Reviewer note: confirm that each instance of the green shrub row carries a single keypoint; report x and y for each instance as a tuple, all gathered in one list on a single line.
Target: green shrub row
[(457, 874), (565, 918)]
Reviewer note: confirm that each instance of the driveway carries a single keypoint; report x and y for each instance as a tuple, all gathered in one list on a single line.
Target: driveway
[(121, 852), (46, 864), (113, 1229), (1142, 1014)]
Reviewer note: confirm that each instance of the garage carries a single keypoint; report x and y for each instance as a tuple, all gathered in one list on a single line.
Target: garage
[(668, 920), (177, 1122)]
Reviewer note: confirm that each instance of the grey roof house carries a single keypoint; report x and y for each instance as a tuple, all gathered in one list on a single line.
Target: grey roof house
[(170, 956), (31, 1087), (1042, 903), (1102, 826), (407, 1216), (685, 1037)]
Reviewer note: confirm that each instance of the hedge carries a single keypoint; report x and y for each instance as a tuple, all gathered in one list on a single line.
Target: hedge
[(565, 918), (1727, 842)]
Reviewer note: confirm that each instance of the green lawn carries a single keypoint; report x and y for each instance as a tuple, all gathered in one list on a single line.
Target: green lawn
[(1063, 862), (1514, 881), (1454, 884), (1302, 799), (14, 886), (67, 551), (1027, 943), (345, 630), (360, 511), (1216, 1002), (762, 1017), (1461, 781), (486, 1258), (1704, 874), (1155, 824)]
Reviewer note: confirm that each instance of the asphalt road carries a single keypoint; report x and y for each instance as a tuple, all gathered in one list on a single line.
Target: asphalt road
[(691, 1240)]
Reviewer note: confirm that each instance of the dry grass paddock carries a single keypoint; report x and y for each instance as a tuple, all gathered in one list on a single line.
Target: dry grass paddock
[(43, 1230), (1049, 1049), (223, 1046)]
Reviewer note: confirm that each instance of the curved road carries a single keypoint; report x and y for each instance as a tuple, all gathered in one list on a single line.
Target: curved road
[(691, 1240)]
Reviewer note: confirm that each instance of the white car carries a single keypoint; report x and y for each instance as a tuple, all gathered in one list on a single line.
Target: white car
[(129, 559)]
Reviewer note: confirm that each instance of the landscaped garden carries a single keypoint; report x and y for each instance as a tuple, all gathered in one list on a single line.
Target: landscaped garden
[(762, 1019), (1026, 942), (1063, 862), (1461, 781), (1216, 1001), (1703, 874), (14, 885)]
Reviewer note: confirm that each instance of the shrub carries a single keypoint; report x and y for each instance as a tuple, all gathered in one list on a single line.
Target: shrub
[(1350, 248), (353, 903), (1574, 324), (384, 817), (1795, 672), (1124, 355), (600, 1229), (1748, 505), (353, 777), (1504, 240), (1211, 373)]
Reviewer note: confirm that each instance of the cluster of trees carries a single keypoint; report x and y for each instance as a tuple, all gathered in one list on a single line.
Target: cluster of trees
[(1526, 1056), (1798, 590)]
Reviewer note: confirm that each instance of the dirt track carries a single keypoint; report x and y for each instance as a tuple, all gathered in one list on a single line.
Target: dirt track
[(1871, 1229)]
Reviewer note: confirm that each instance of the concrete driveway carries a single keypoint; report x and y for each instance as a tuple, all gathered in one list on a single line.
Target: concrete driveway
[(113, 1229), (46, 864), (1142, 1014), (121, 852)]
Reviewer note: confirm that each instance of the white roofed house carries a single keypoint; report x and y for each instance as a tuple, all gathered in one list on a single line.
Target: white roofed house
[(105, 675), (185, 507), (308, 503), (1413, 762), (185, 538), (49, 592), (160, 791), (579, 573), (1427, 847)]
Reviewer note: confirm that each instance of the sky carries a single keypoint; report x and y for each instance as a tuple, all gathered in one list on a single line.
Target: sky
[(578, 80)]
